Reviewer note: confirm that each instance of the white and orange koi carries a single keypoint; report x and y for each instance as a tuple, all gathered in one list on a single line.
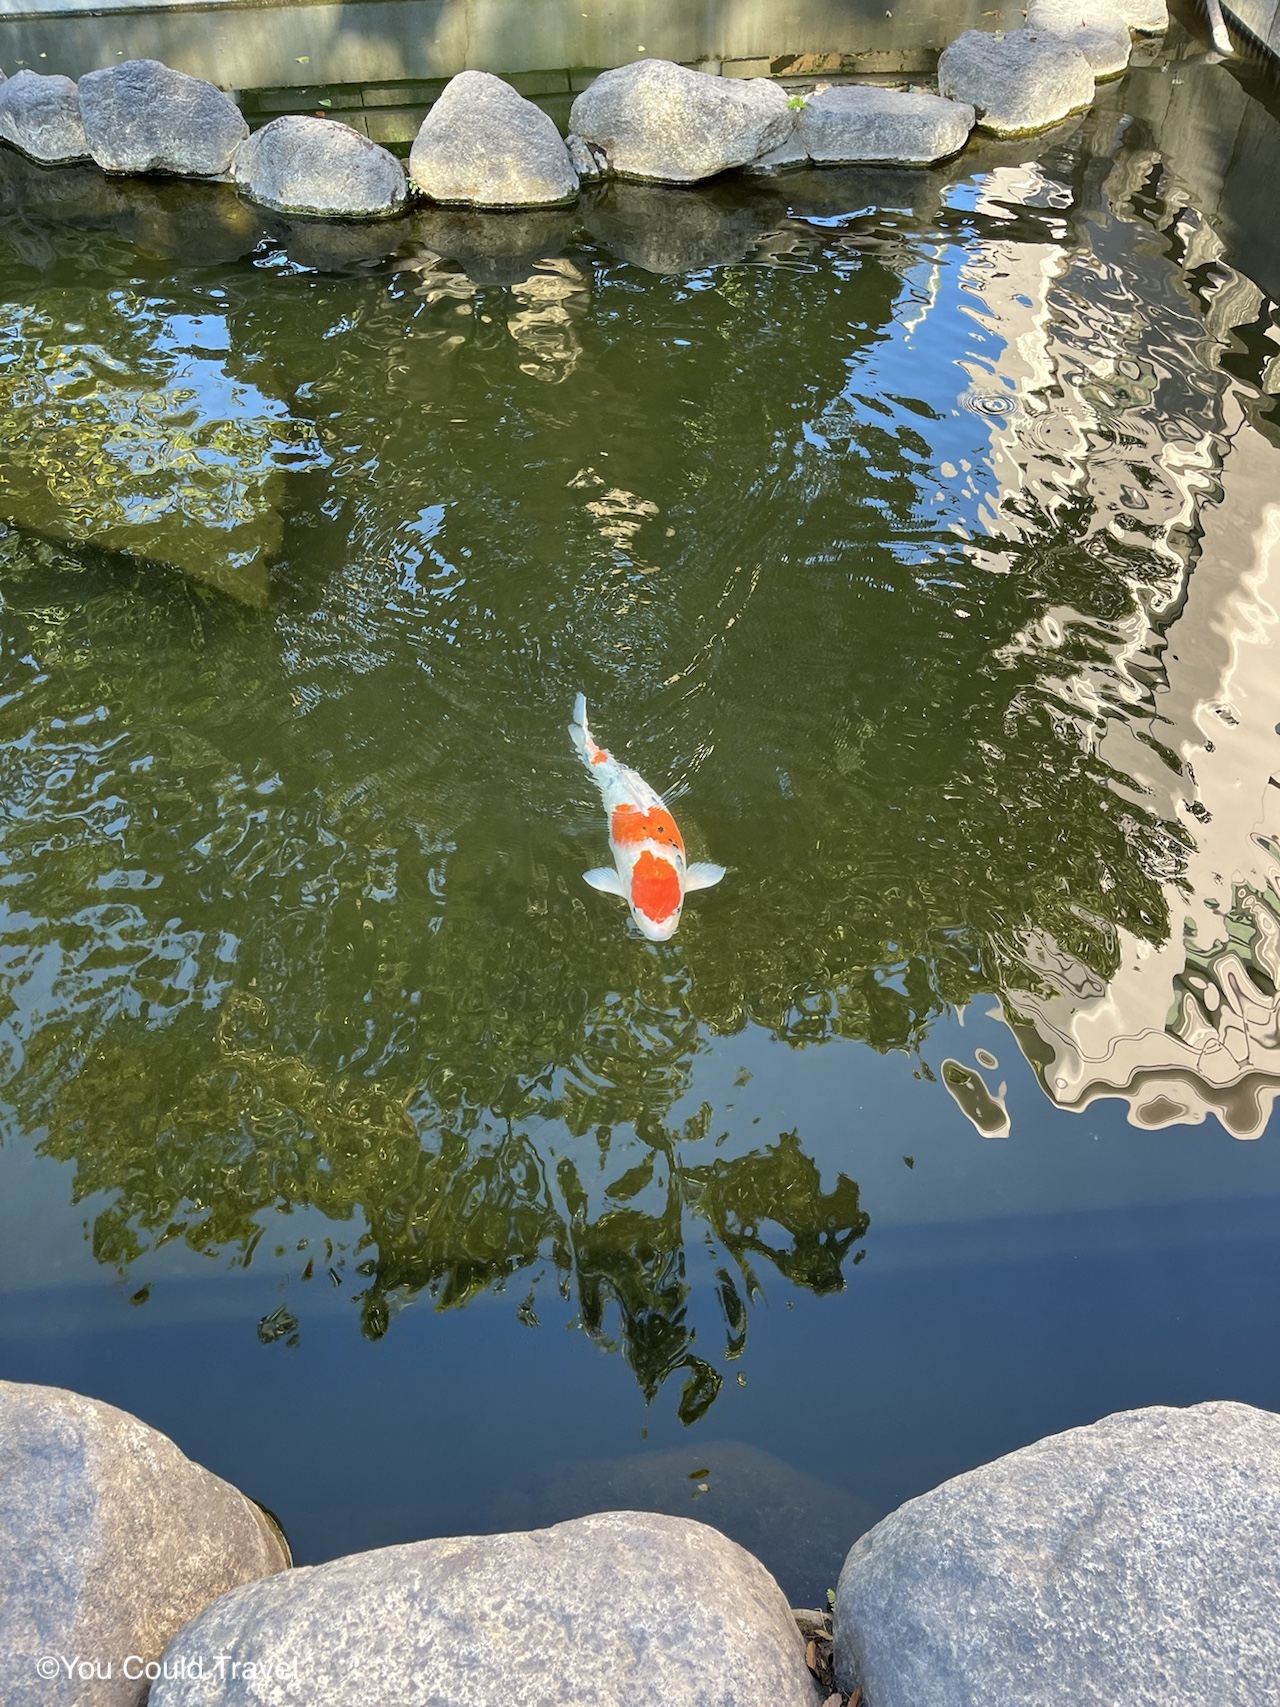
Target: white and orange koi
[(649, 870)]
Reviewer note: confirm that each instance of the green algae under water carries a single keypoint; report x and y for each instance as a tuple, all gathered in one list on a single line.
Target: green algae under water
[(918, 534)]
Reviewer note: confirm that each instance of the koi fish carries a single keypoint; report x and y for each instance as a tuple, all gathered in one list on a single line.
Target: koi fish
[(649, 870)]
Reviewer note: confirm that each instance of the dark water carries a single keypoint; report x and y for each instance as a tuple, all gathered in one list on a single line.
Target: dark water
[(919, 534)]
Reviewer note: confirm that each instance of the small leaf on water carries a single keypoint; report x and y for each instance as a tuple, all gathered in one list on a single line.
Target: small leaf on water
[(697, 1475)]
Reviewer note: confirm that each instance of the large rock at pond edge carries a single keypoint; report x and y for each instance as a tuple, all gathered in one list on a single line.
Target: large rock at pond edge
[(1133, 1562), (304, 165), (110, 1540), (622, 1609), (661, 122), (483, 145), (1094, 28), (1146, 17), (1017, 83), (41, 116), (140, 116), (850, 125)]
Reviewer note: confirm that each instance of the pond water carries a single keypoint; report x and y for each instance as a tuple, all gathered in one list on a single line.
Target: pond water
[(919, 535)]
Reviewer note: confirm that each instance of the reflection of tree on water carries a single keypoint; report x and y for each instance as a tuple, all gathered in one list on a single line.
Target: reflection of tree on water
[(451, 1206)]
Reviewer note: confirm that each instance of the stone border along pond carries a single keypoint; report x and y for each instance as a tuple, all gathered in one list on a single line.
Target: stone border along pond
[(1131, 1562), (483, 145)]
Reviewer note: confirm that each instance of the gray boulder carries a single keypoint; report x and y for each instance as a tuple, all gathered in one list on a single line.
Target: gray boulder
[(1018, 83), (484, 145), (304, 165), (1144, 17), (1134, 1562), (110, 1540), (621, 1609), (140, 116), (1096, 28), (660, 122), (851, 125), (41, 116)]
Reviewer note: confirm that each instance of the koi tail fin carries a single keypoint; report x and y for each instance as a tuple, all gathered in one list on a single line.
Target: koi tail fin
[(578, 732), (580, 735)]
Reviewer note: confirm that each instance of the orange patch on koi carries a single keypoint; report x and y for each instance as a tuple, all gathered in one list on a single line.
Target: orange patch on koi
[(630, 824), (655, 887)]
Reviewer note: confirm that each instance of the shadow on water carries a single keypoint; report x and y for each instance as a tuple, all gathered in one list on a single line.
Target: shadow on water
[(885, 518)]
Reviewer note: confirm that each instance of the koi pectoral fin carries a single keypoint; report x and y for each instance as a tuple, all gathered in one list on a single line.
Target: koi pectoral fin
[(702, 876), (606, 880)]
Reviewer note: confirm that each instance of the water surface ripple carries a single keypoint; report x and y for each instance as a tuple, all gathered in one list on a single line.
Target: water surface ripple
[(918, 534)]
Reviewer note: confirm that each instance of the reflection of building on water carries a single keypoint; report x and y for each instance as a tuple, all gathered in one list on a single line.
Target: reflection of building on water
[(1185, 708), (1192, 1026)]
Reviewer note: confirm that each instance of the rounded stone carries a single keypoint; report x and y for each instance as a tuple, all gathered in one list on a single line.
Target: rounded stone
[(1095, 28), (110, 1540), (1133, 1561), (305, 165), (663, 123), (852, 125), (41, 116), (621, 1609), (484, 145), (1145, 17), (141, 116), (1016, 83)]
